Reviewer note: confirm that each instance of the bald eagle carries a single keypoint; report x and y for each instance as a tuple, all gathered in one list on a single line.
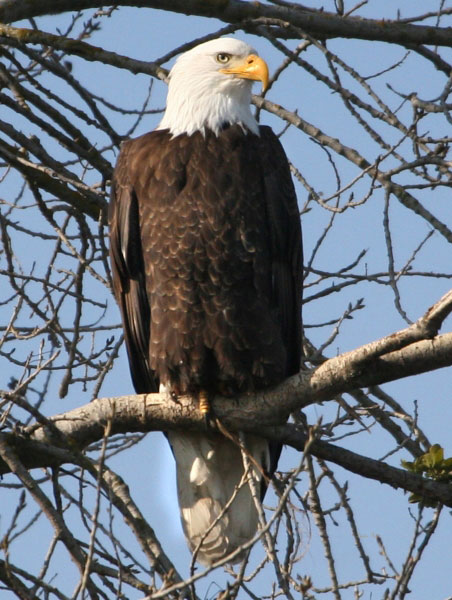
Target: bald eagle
[(205, 247)]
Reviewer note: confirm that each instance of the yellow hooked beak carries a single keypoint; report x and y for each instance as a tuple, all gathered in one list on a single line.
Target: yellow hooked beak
[(253, 67)]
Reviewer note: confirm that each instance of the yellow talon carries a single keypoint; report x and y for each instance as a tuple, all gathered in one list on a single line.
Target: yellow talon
[(204, 404)]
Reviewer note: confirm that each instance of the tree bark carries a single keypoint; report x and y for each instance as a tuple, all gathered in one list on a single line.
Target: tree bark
[(41, 444), (318, 23)]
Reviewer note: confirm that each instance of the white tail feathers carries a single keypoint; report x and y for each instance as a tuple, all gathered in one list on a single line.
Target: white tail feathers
[(215, 500)]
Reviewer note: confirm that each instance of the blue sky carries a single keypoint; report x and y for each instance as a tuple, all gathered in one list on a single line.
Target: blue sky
[(148, 468)]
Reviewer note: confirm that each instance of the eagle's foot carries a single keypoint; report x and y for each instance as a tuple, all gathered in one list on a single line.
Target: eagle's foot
[(204, 407)]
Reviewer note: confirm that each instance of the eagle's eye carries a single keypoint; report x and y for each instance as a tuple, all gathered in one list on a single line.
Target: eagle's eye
[(223, 57)]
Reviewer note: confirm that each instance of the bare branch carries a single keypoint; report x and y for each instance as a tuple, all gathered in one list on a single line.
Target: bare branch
[(318, 22)]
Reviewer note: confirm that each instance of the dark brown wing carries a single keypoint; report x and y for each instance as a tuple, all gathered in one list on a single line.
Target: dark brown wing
[(185, 191), (129, 275), (286, 252), (285, 231)]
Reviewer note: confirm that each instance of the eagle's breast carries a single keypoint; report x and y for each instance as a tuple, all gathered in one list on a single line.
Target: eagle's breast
[(206, 249)]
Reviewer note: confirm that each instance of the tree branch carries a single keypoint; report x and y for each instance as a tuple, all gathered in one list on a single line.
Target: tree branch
[(378, 470), (318, 23), (78, 48), (154, 412), (399, 355)]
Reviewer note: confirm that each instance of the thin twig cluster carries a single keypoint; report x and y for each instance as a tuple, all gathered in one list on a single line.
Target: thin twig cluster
[(382, 166)]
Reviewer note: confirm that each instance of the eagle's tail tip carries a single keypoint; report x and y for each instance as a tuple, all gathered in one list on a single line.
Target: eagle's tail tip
[(218, 511)]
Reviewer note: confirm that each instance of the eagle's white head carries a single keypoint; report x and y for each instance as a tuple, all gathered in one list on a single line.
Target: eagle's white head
[(210, 85)]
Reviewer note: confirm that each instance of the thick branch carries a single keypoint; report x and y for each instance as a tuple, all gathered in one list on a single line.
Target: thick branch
[(258, 413), (393, 357), (153, 412), (318, 23)]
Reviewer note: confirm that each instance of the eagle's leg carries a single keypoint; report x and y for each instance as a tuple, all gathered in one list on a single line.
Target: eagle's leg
[(204, 406)]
